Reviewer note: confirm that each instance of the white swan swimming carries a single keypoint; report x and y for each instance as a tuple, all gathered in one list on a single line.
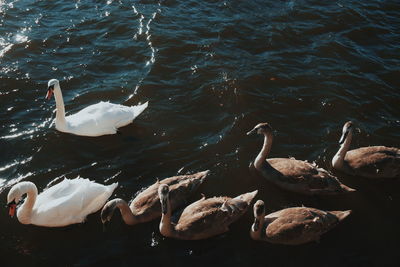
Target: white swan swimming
[(65, 203), (95, 120)]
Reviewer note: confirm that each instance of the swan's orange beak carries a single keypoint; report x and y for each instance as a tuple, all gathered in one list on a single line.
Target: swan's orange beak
[(49, 93), (11, 210)]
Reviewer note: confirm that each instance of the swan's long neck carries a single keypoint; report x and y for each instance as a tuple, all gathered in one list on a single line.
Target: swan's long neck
[(166, 228), (259, 162), (60, 113), (24, 212), (338, 159), (126, 212), (257, 227)]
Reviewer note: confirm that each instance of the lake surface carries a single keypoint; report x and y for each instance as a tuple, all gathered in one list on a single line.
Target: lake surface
[(210, 70)]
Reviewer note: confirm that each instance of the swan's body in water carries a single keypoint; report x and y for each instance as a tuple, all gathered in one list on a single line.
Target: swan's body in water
[(371, 161), (204, 218), (65, 203), (95, 120), (291, 174), (293, 226), (146, 205)]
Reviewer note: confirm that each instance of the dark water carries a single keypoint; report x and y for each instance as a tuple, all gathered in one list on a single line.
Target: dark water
[(211, 70)]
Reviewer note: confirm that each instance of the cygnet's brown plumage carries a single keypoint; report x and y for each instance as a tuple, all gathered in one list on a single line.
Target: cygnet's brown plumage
[(146, 205), (371, 161), (293, 226), (204, 218), (291, 174)]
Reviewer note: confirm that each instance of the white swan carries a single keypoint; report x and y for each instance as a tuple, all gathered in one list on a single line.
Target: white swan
[(67, 202), (95, 120)]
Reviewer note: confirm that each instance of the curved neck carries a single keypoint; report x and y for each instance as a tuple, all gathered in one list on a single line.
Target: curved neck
[(126, 212), (257, 227), (24, 213), (338, 159), (60, 112), (166, 228), (259, 162)]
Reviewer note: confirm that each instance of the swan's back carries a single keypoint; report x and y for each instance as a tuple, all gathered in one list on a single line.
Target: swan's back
[(69, 201), (212, 216), (302, 177), (146, 206), (298, 225), (374, 161), (102, 118), (203, 219)]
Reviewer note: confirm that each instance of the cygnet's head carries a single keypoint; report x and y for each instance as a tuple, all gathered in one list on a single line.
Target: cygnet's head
[(259, 212), (50, 87), (261, 128), (347, 128), (259, 208), (108, 210)]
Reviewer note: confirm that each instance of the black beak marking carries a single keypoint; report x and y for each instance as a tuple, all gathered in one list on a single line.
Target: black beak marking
[(164, 208), (11, 203)]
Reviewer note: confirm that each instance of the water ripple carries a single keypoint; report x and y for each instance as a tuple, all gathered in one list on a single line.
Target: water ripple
[(211, 70)]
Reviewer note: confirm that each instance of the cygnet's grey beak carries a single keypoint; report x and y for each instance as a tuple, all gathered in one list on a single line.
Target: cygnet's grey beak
[(343, 137), (105, 224), (251, 132), (164, 208)]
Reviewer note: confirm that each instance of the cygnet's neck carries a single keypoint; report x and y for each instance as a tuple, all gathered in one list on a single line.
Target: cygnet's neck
[(260, 160), (257, 228), (338, 159), (126, 213), (166, 228)]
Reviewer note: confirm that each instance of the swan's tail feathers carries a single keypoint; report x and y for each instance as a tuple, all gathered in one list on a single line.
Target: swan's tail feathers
[(197, 179), (345, 188), (248, 197), (137, 110), (202, 175), (341, 215), (112, 187)]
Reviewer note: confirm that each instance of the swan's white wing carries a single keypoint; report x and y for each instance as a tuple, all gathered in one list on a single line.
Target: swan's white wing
[(69, 202), (102, 118)]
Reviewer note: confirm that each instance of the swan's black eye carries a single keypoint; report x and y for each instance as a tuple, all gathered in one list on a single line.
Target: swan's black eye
[(51, 87)]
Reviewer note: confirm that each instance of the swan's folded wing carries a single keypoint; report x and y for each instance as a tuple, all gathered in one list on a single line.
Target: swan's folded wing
[(71, 200), (299, 224), (375, 161), (102, 118)]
